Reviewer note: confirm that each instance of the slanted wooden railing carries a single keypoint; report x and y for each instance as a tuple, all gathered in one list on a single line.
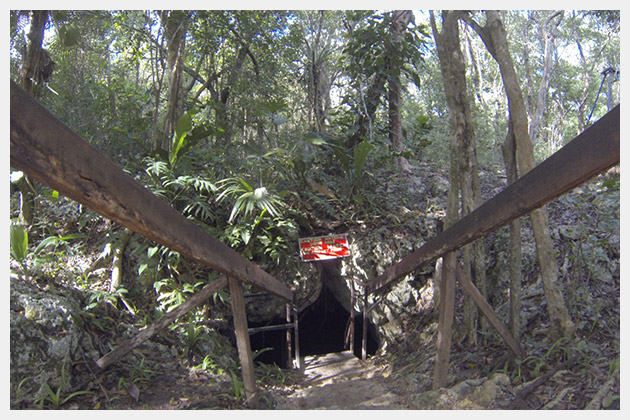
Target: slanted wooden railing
[(589, 154), (51, 153)]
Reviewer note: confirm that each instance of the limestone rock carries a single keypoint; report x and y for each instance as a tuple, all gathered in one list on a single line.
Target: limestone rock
[(46, 336), (471, 394)]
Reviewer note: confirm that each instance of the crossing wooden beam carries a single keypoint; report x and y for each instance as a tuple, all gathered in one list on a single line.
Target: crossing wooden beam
[(472, 291), (50, 152), (588, 154), (197, 299)]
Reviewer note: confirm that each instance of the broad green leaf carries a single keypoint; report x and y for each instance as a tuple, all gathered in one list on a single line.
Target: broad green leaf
[(19, 241), (314, 138), (45, 243), (151, 251), (184, 124), (361, 153)]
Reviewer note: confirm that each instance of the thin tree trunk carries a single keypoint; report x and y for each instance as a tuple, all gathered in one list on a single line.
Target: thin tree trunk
[(494, 37), (515, 271), (399, 24), (464, 176), (318, 82), (547, 33), (158, 80), (223, 116), (175, 35)]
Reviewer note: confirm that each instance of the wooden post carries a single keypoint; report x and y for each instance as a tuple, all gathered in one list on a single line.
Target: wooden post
[(296, 331), (288, 350), (365, 318), (242, 340), (352, 314), (445, 321)]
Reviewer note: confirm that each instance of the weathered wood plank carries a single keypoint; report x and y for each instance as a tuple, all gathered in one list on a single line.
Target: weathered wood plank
[(587, 155), (48, 151), (488, 312), (445, 321), (242, 340), (194, 301)]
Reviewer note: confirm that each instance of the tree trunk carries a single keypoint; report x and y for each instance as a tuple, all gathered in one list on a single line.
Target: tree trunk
[(399, 24), (494, 37), (547, 33), (464, 176), (175, 35), (224, 120), (515, 271), (370, 103), (36, 58), (158, 81), (319, 79)]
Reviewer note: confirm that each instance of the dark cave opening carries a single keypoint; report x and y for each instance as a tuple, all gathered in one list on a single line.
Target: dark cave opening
[(322, 325)]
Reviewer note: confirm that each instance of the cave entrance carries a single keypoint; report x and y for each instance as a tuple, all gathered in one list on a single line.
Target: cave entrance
[(322, 326)]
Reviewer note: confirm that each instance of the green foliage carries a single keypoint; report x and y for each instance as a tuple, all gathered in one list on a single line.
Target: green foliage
[(55, 399), (57, 242), (238, 387), (188, 133), (249, 198), (50, 249), (271, 374), (580, 355), (191, 194), (19, 244), (171, 294), (193, 333), (141, 373), (97, 297), (210, 366)]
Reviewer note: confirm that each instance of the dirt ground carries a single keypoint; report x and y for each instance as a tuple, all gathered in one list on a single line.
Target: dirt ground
[(341, 381)]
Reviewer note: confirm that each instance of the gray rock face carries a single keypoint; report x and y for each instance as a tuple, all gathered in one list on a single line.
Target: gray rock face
[(46, 336)]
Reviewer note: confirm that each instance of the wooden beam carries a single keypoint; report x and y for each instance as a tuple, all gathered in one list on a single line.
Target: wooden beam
[(288, 351), (195, 300), (242, 340), (268, 328), (587, 155), (48, 151), (472, 291), (445, 321)]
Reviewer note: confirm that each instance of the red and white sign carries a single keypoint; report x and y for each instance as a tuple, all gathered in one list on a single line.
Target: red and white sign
[(324, 248)]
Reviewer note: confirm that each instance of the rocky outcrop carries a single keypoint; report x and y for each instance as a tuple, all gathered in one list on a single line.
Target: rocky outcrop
[(54, 343), (471, 394), (47, 337)]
